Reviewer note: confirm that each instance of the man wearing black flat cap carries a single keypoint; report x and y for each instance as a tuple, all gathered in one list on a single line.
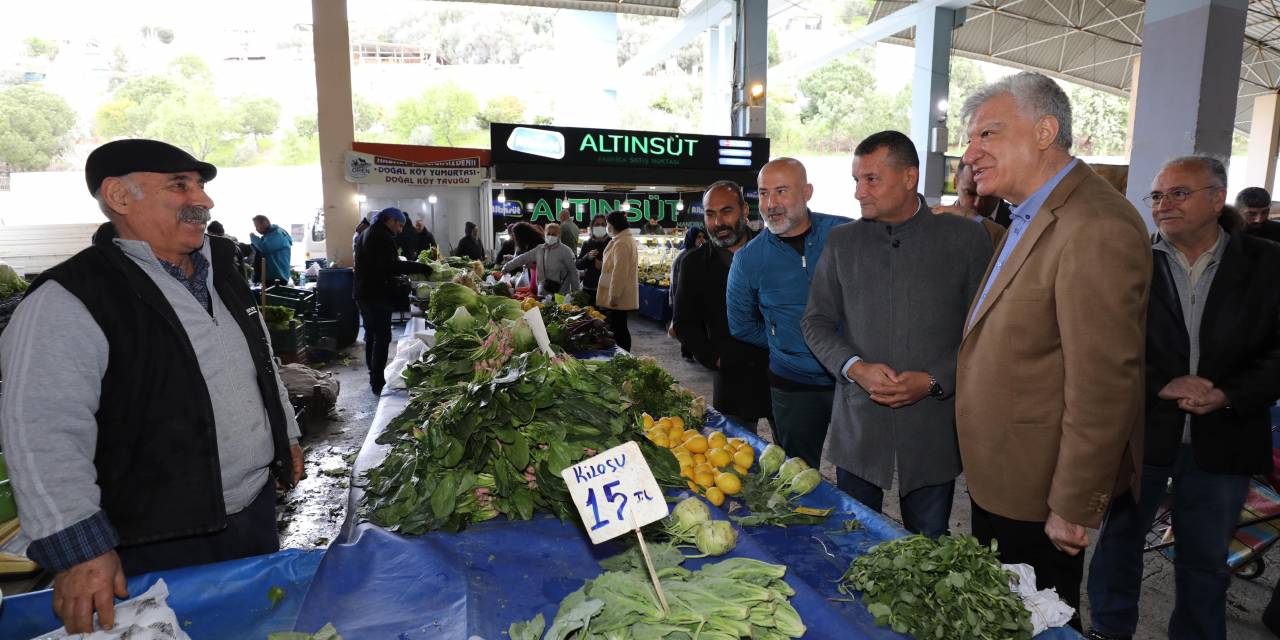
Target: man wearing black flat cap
[(123, 456)]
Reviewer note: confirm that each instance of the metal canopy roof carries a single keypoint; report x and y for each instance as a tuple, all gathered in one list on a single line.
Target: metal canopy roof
[(1094, 42), (663, 8)]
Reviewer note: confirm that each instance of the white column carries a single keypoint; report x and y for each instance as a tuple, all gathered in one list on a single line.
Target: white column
[(1264, 142), (929, 89), (335, 123), (752, 64), (712, 110)]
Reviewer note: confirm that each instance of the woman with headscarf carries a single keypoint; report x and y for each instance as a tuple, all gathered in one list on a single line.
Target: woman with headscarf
[(591, 255), (618, 292), (552, 262), (374, 289), (469, 246)]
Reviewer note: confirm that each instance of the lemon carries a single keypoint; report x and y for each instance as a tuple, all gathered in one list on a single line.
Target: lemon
[(704, 479), (740, 469), (699, 458), (677, 420), (675, 435), (696, 444), (715, 496), (693, 486), (689, 433), (684, 457), (729, 483), (679, 448), (717, 440), (737, 443), (686, 471), (662, 441), (702, 467), (648, 421), (665, 423), (719, 458), (744, 457)]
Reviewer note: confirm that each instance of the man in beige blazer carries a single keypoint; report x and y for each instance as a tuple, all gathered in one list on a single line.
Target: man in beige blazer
[(1059, 322)]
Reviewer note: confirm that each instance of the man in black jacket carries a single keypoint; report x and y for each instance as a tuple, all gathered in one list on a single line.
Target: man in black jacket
[(701, 324), (375, 289), (1254, 203), (1213, 372)]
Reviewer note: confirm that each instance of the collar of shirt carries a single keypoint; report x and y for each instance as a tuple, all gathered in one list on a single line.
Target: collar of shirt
[(1027, 210), (140, 250), (1210, 257)]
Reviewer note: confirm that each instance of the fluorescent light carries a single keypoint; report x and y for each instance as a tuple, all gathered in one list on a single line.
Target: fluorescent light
[(735, 162), (740, 153), (432, 199), (741, 144), (361, 198)]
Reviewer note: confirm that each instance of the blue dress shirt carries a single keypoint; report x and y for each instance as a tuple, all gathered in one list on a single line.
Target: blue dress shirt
[(1021, 219)]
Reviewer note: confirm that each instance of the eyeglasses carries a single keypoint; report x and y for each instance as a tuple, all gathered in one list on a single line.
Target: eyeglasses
[(1176, 195)]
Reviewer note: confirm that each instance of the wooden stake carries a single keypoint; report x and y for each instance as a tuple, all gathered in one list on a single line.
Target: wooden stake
[(262, 278), (653, 574)]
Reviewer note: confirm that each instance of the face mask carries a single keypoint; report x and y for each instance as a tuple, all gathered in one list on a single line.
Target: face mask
[(553, 240), (598, 232)]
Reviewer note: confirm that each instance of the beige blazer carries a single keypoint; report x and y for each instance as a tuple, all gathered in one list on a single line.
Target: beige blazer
[(1049, 407), (619, 287)]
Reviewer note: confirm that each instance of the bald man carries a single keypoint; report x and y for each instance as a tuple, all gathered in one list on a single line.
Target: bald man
[(767, 292)]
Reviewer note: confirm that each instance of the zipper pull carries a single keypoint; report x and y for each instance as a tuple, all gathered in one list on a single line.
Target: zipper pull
[(803, 263), (773, 329)]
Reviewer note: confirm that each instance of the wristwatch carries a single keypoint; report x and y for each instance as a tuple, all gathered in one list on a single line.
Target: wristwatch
[(935, 389)]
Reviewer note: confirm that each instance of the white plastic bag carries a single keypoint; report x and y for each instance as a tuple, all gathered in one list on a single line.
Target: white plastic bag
[(146, 617), (1047, 609)]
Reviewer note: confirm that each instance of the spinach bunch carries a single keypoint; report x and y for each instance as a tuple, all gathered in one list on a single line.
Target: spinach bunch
[(951, 588), (653, 390)]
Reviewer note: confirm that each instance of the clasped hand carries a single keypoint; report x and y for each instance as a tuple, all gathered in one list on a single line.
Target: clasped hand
[(1194, 394), (888, 387)]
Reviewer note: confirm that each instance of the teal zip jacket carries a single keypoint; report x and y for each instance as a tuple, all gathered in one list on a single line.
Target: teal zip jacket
[(767, 292), (276, 245)]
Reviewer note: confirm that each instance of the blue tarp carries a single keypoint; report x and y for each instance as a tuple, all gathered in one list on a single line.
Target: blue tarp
[(655, 303), (223, 600)]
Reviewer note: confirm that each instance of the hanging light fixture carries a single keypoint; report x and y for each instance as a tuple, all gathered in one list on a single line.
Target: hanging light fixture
[(432, 199), (529, 207), (680, 205), (626, 204), (502, 196), (564, 202)]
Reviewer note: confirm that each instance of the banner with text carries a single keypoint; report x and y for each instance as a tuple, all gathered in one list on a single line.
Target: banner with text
[(367, 168)]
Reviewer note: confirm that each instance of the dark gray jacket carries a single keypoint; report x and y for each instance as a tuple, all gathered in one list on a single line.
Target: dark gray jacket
[(895, 295)]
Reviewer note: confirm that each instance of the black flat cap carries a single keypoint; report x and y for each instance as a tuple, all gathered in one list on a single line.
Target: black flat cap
[(122, 157)]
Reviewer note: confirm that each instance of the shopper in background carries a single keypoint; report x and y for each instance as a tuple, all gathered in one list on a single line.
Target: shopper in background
[(1059, 322), (652, 227), (375, 290), (591, 256), (525, 237), (979, 208), (694, 237), (508, 247), (1212, 375), (426, 239), (894, 359), (741, 380), (619, 288), (168, 460), (216, 230), (275, 245), (569, 231), (355, 238), (469, 246), (767, 293), (552, 262), (1254, 203)]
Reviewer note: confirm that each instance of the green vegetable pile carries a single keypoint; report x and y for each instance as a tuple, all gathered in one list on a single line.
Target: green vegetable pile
[(773, 494), (278, 318), (496, 442), (10, 282), (734, 598), (952, 588), (653, 390)]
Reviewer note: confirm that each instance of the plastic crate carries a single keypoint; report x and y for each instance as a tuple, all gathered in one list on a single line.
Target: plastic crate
[(302, 301)]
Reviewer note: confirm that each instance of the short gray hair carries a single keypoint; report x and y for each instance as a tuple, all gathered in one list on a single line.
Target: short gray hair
[(1211, 165), (1037, 95), (101, 197)]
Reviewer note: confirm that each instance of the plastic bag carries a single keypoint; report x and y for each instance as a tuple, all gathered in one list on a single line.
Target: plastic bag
[(146, 617), (1047, 609)]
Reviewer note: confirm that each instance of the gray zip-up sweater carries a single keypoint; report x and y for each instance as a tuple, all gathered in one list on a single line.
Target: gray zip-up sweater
[(896, 295), (54, 356)]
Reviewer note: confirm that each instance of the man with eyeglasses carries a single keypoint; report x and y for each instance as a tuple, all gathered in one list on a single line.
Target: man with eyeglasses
[(1254, 203), (1213, 372)]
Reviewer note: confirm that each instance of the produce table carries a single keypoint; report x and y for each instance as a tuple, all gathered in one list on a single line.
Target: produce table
[(655, 303), (373, 583)]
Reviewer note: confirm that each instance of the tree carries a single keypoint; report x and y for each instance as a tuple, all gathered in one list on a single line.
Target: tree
[(192, 68), (774, 51), (301, 142), (966, 79), (34, 127), (194, 121), (501, 109), (256, 117), (1099, 122), (842, 105), (119, 68), (442, 115), (366, 113), (41, 48), (132, 108)]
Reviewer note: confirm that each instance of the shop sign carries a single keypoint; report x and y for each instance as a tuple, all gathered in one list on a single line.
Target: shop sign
[(530, 144), (541, 206), (366, 168)]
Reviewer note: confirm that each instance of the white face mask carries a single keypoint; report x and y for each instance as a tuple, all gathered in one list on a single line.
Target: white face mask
[(598, 232), (553, 240)]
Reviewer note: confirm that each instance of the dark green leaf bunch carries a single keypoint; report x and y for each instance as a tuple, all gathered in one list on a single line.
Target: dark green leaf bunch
[(652, 389), (471, 450), (951, 588), (734, 598), (278, 318)]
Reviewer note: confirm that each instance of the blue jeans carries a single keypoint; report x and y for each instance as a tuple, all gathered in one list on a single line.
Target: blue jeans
[(800, 422), (926, 510), (376, 316), (1206, 508)]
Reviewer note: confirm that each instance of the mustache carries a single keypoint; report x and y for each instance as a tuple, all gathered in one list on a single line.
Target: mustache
[(194, 213)]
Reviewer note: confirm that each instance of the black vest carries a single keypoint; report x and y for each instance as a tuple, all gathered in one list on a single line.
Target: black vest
[(157, 450)]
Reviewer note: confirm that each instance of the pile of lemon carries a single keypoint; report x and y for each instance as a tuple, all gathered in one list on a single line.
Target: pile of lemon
[(705, 460)]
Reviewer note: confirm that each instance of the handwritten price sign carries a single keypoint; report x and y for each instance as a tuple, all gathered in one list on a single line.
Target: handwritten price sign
[(615, 492)]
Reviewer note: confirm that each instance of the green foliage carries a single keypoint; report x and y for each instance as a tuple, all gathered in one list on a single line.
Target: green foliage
[(951, 588), (191, 67), (842, 105), (501, 109), (442, 115), (195, 121), (966, 79), (257, 117), (366, 113), (1099, 122), (41, 48), (301, 142), (35, 127)]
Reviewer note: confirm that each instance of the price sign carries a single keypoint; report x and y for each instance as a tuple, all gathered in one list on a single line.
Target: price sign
[(615, 492)]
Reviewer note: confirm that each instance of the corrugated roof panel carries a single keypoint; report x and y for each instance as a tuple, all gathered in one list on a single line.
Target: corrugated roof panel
[(662, 8)]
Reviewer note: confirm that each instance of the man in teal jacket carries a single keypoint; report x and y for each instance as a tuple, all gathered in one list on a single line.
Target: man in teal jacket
[(274, 244), (767, 292)]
